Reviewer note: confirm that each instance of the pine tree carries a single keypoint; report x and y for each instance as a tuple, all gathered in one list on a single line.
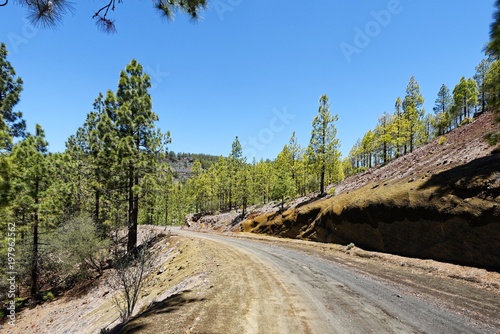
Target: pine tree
[(90, 157), (12, 124), (427, 129), (368, 145), (97, 131), (460, 95), (294, 148), (31, 181), (400, 129), (465, 95), (242, 187), (265, 179), (165, 183), (301, 174), (223, 182), (254, 189), (383, 134), (50, 13), (493, 85), (493, 47), (442, 110), (200, 187), (284, 184), (355, 157), (413, 112), (480, 78), (138, 140), (235, 163), (323, 146)]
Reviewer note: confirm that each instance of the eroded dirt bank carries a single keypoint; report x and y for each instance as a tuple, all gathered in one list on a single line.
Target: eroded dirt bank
[(440, 202)]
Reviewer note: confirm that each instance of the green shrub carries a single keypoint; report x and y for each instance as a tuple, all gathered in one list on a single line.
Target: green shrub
[(466, 120), (78, 243), (49, 296), (493, 138), (442, 140)]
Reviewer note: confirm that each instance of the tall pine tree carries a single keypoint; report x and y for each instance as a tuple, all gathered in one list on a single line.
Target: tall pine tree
[(442, 110), (138, 141), (413, 112), (480, 78), (31, 180), (323, 146), (11, 122)]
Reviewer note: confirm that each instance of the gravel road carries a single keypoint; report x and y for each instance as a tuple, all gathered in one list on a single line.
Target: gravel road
[(215, 284), (291, 291)]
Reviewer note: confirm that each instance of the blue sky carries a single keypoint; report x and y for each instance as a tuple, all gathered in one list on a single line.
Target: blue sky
[(252, 69)]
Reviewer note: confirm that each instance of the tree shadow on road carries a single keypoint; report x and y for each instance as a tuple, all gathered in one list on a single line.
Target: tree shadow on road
[(139, 323)]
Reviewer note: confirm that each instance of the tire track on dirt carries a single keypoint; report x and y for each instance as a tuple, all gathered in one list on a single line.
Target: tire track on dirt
[(330, 298)]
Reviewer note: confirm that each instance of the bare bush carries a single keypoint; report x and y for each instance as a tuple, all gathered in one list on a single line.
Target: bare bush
[(131, 270)]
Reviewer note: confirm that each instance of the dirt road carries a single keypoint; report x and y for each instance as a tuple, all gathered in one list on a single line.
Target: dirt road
[(215, 284), (268, 288)]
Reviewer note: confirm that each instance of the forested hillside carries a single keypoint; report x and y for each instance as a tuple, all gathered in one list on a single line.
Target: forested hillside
[(439, 202), (182, 163)]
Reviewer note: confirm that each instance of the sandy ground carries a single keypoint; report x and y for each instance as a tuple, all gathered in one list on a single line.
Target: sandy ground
[(339, 290)]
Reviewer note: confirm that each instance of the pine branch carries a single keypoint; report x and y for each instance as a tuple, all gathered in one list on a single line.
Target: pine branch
[(102, 21)]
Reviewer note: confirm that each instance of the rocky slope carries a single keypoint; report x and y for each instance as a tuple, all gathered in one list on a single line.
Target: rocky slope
[(440, 202)]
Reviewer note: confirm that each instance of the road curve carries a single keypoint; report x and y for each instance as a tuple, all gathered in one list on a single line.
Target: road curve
[(321, 296)]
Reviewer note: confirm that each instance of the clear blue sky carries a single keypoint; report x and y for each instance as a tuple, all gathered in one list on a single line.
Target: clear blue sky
[(253, 69)]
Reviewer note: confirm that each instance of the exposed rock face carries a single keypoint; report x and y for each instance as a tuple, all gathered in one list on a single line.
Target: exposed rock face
[(224, 222), (442, 210)]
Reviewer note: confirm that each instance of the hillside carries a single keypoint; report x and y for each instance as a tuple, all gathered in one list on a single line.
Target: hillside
[(182, 163), (440, 202)]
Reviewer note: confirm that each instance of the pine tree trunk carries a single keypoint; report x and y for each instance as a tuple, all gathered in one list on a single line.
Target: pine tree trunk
[(412, 134), (398, 150), (385, 152), (34, 264), (465, 110), (97, 197), (166, 207), (244, 207), (132, 216), (322, 179), (34, 254), (483, 97)]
